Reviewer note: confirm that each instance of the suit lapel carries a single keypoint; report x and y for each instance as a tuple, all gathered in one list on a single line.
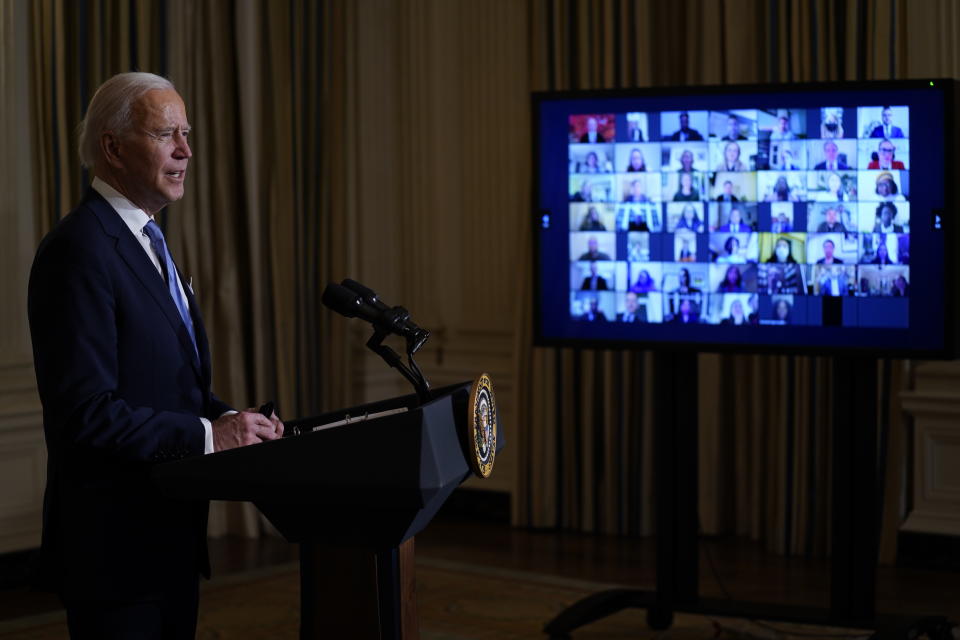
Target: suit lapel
[(136, 259)]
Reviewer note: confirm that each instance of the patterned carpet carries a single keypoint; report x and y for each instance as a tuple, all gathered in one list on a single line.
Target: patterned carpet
[(455, 601)]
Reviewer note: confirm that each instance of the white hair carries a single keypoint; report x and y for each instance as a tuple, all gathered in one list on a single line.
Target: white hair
[(111, 109)]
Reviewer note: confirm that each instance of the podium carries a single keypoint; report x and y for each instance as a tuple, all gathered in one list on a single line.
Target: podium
[(353, 496)]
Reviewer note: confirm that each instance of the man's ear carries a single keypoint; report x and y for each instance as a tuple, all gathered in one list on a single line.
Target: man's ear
[(110, 147)]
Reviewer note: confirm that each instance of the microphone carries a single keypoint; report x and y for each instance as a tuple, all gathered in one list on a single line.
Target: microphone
[(353, 300)]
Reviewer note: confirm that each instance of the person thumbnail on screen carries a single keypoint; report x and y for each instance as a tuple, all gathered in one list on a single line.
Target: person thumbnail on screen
[(884, 155), (638, 247), (781, 310), (889, 186), (781, 277), (732, 217), (831, 122), (882, 281), (682, 310), (685, 216), (734, 278), (591, 217), (733, 125), (733, 248), (632, 312), (781, 217), (591, 189), (636, 127), (593, 276), (685, 125), (742, 186), (834, 279), (832, 248), (593, 246), (883, 122), (730, 309), (885, 217), (788, 248), (733, 156), (685, 246), (639, 309), (637, 158), (644, 277), (833, 217), (830, 186), (590, 158), (777, 186), (639, 188), (687, 157), (885, 248), (683, 186), (639, 217), (593, 306), (592, 128), (782, 155), (782, 124), (831, 155)]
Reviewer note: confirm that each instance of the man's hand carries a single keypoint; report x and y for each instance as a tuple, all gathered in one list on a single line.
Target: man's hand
[(247, 427)]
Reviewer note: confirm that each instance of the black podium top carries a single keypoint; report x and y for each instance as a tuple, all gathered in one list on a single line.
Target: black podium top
[(370, 483)]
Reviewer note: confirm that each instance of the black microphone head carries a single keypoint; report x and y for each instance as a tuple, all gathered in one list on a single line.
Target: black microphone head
[(368, 294), (342, 300)]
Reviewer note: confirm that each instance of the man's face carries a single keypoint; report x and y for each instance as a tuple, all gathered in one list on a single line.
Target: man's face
[(828, 249), (735, 216), (637, 188), (592, 125), (830, 151), (831, 216), (886, 215), (592, 245), (887, 115), (728, 188), (684, 121), (732, 128), (630, 302), (150, 161), (784, 123)]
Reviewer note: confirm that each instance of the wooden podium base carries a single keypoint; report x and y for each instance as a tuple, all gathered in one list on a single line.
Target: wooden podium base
[(358, 593)]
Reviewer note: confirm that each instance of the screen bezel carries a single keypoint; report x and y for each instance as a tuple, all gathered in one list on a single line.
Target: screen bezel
[(948, 89)]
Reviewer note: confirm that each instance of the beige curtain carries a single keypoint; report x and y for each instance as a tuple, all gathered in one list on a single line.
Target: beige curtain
[(765, 421)]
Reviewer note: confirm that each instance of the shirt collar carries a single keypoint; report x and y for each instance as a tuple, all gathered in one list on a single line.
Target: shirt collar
[(134, 217)]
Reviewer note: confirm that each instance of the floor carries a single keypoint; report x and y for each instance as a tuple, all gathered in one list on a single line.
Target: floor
[(730, 568)]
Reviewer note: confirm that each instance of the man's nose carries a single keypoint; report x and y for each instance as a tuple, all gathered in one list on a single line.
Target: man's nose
[(182, 149)]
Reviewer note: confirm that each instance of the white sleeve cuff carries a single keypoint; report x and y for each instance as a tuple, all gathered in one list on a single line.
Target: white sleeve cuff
[(208, 431), (207, 436)]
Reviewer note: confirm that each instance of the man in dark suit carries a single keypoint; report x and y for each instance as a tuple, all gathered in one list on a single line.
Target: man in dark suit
[(631, 311), (594, 281), (831, 160), (685, 132), (123, 370), (887, 129), (592, 134)]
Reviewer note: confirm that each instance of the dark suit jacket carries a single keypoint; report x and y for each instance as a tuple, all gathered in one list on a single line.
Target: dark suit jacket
[(121, 388), (822, 166), (895, 132)]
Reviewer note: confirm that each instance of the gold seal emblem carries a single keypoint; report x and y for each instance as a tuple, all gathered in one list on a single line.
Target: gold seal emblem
[(482, 426)]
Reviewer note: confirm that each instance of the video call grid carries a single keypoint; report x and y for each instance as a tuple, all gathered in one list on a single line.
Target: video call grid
[(735, 217)]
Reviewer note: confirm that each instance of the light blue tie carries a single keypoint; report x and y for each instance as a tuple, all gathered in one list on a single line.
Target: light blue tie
[(170, 272)]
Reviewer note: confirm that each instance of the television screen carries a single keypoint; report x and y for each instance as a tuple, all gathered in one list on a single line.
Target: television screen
[(795, 217)]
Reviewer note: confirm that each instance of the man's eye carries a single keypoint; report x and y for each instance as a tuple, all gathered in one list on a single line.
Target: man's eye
[(165, 135)]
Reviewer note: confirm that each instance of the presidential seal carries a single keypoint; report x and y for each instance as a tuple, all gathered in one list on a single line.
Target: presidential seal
[(482, 426)]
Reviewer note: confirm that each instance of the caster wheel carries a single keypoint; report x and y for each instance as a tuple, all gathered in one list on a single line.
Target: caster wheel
[(659, 618)]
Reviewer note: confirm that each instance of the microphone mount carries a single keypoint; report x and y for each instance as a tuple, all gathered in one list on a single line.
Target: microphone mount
[(352, 299)]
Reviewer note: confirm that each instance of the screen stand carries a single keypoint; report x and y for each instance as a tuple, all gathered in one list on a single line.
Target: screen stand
[(855, 524)]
